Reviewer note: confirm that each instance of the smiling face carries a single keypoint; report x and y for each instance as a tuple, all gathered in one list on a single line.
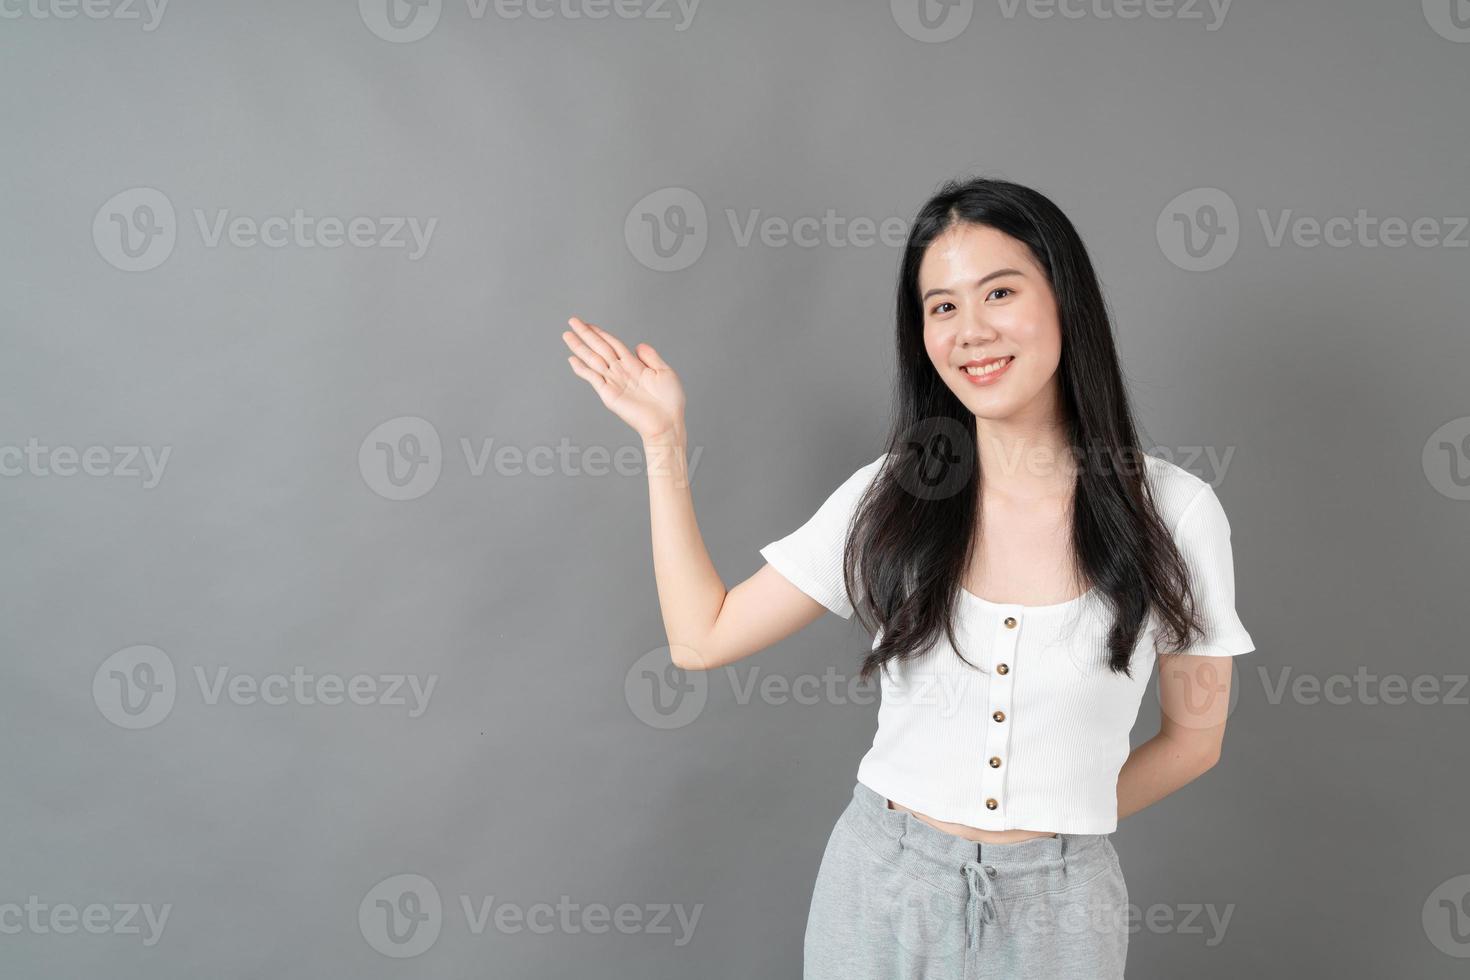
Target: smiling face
[(986, 301)]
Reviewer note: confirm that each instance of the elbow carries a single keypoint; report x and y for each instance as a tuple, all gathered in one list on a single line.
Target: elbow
[(687, 657)]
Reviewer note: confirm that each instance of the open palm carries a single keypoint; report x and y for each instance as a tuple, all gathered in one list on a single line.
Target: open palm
[(638, 388)]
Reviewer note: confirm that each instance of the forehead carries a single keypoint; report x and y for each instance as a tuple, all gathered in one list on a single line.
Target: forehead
[(968, 251)]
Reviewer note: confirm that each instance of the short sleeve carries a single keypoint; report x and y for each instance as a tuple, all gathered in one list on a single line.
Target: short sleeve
[(810, 557), (1203, 539)]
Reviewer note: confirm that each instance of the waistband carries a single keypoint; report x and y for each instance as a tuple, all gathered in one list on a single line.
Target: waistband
[(944, 860)]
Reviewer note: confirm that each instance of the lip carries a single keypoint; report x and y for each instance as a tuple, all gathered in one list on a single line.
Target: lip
[(986, 379)]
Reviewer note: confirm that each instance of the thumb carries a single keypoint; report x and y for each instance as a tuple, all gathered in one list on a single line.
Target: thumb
[(650, 357)]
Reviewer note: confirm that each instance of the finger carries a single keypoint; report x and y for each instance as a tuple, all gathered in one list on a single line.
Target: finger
[(617, 345), (587, 374), (650, 357), (592, 338), (587, 354)]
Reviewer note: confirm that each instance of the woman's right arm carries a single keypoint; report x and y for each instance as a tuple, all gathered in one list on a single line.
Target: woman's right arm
[(707, 626)]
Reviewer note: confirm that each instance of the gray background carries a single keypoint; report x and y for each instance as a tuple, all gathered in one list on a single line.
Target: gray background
[(1331, 831)]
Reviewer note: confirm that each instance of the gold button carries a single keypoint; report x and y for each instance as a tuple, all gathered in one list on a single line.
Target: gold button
[(1010, 622), (1002, 669), (995, 762), (991, 804), (999, 716)]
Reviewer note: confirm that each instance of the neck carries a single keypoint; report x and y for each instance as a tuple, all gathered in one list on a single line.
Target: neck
[(1025, 456)]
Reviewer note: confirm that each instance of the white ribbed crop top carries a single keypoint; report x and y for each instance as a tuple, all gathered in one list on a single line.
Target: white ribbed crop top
[(1036, 736)]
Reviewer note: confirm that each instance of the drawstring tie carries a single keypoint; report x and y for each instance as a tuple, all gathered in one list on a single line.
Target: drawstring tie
[(980, 904)]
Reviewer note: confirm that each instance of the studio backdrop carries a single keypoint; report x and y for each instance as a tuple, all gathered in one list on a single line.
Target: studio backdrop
[(331, 640)]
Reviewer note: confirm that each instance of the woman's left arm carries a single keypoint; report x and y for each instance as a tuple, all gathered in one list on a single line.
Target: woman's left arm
[(1194, 695)]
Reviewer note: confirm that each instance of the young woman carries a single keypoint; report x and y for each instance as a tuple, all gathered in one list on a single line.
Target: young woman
[(1021, 563)]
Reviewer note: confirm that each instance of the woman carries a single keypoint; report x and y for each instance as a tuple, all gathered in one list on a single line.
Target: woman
[(1021, 563)]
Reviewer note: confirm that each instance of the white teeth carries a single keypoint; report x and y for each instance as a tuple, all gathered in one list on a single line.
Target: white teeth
[(989, 368)]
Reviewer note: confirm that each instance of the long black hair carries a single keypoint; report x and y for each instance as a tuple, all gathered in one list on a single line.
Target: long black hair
[(913, 533)]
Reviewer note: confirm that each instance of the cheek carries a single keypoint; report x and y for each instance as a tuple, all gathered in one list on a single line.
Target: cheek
[(938, 344)]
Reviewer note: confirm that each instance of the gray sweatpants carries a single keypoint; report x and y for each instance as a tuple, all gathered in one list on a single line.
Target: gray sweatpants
[(897, 899)]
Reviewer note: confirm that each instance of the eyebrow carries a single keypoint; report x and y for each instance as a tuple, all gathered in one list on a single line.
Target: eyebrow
[(978, 282)]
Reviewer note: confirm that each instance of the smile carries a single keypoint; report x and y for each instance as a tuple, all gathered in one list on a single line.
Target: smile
[(988, 372)]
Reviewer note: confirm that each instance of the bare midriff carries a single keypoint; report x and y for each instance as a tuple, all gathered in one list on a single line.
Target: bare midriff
[(973, 833)]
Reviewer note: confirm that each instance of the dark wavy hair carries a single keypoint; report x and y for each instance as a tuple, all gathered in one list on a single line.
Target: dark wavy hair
[(914, 531)]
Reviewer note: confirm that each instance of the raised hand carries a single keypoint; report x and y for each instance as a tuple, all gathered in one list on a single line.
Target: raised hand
[(638, 388)]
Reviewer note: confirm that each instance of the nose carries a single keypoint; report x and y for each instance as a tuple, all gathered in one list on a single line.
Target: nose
[(974, 329)]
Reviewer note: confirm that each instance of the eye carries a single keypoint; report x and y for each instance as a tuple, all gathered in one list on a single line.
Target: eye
[(999, 289), (936, 309)]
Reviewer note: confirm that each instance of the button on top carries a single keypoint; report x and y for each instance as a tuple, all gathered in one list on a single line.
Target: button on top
[(1010, 622), (1002, 669), (999, 716)]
